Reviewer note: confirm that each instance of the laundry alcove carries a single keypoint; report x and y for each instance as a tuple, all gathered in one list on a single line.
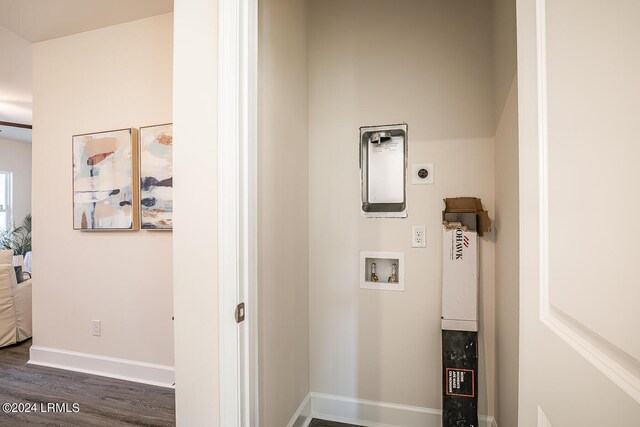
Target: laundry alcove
[(329, 348)]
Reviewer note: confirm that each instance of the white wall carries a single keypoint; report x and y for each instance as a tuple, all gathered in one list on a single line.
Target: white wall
[(283, 210), (195, 239), (15, 157), (427, 63), (111, 78)]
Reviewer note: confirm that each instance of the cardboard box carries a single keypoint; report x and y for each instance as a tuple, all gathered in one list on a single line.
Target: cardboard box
[(459, 279), (468, 205), (463, 220)]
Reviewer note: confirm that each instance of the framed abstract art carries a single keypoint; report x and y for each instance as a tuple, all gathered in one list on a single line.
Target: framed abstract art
[(156, 177), (105, 176)]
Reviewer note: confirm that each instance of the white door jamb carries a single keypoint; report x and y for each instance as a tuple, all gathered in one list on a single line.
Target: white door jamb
[(237, 211)]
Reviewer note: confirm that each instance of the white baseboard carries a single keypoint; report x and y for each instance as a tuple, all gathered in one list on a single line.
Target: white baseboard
[(122, 369), (369, 413), (302, 417)]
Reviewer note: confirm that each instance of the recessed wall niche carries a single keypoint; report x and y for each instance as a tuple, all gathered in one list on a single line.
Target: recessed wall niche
[(382, 270)]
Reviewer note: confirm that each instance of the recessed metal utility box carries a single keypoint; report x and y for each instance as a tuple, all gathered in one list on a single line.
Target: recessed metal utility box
[(383, 169)]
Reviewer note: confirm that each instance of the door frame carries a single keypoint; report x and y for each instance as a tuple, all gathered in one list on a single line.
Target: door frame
[(237, 211)]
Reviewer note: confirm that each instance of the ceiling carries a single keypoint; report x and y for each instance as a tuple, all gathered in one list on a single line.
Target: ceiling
[(23, 22), (38, 20)]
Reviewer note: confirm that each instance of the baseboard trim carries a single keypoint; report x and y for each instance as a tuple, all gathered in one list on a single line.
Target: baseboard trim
[(302, 417), (377, 414), (122, 369)]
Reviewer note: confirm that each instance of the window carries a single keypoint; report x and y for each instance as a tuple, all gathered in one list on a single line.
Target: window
[(5, 200)]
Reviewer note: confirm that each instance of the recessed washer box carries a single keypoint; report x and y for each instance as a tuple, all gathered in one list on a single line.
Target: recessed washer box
[(383, 169), (384, 270)]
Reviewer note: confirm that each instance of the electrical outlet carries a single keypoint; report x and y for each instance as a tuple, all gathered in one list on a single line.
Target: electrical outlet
[(418, 236), (422, 173), (96, 326)]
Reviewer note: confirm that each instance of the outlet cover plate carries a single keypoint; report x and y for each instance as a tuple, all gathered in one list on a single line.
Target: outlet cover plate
[(415, 176), (418, 236), (96, 328)]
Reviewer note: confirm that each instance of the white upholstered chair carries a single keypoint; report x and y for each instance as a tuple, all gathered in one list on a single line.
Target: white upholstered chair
[(15, 304)]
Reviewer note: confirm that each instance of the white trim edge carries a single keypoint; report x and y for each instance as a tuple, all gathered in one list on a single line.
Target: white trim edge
[(368, 412), (302, 417), (122, 369), (230, 102), (237, 207), (543, 421)]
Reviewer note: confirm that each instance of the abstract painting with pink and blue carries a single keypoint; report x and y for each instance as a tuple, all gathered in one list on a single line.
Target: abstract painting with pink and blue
[(156, 177), (103, 181)]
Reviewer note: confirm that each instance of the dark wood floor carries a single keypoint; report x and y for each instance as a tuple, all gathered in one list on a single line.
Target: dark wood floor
[(102, 401), (322, 423)]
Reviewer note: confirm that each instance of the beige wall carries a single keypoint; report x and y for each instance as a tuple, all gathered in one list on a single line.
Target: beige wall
[(427, 63), (195, 244), (505, 62), (506, 214), (283, 210), (110, 78), (16, 76), (15, 157), (507, 259)]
